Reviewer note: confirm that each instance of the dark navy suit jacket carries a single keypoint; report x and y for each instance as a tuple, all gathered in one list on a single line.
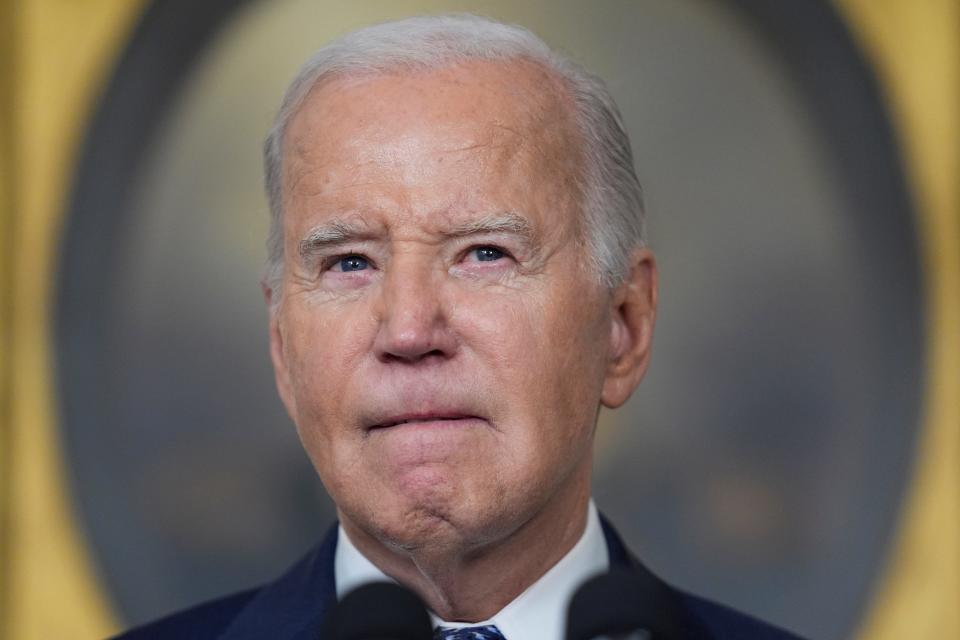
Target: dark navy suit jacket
[(294, 606)]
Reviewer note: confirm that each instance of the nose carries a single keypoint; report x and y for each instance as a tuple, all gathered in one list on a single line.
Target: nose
[(412, 316)]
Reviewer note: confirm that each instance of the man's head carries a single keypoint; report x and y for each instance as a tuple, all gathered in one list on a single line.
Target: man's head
[(453, 295), (611, 198)]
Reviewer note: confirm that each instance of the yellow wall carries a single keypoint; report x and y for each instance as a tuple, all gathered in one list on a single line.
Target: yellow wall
[(54, 58), (61, 55), (915, 46)]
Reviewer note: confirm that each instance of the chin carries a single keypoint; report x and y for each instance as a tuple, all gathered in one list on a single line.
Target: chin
[(436, 522), (417, 527)]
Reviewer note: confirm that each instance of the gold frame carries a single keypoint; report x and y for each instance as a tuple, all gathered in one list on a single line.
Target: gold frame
[(48, 584), (61, 55), (914, 46)]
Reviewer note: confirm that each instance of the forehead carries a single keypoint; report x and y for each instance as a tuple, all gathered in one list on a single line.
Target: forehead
[(503, 104), (457, 141), (518, 91)]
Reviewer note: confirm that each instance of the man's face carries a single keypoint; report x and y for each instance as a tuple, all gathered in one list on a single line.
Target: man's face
[(440, 343)]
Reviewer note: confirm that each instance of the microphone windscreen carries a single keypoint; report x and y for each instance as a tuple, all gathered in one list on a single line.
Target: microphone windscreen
[(623, 602), (379, 611)]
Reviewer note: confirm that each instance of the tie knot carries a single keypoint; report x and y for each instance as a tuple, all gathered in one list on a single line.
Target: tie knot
[(488, 632)]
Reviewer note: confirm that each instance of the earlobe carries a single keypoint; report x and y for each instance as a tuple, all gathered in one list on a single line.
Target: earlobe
[(633, 314)]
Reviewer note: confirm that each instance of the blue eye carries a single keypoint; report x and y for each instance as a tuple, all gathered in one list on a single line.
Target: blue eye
[(352, 263), (488, 254)]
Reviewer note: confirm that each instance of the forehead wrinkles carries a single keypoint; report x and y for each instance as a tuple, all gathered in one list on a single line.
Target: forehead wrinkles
[(535, 109), (518, 94), (520, 111), (541, 115)]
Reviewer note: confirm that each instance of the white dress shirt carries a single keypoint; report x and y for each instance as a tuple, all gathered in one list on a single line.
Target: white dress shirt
[(539, 613)]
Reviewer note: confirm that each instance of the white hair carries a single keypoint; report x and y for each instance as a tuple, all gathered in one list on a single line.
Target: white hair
[(612, 203)]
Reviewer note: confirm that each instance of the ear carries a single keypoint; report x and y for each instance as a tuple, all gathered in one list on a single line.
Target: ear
[(633, 314), (281, 373)]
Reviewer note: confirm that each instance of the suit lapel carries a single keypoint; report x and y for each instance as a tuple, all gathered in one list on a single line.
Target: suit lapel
[(677, 620), (294, 606)]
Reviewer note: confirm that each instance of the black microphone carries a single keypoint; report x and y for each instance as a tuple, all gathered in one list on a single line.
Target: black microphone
[(624, 604), (379, 611)]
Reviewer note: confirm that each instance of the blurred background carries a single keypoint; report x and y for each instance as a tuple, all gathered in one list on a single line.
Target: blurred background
[(794, 451)]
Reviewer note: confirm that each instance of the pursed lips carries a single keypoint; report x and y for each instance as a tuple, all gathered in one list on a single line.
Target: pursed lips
[(439, 419)]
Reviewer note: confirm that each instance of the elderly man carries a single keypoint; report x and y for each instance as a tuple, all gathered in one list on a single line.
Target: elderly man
[(457, 281)]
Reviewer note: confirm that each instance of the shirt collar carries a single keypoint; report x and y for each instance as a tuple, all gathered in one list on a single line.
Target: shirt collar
[(539, 612)]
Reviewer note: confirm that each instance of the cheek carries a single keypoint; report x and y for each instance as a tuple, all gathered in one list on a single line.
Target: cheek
[(322, 352), (502, 328), (546, 353)]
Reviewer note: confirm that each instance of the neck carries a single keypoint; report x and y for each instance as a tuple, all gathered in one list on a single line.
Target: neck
[(472, 584)]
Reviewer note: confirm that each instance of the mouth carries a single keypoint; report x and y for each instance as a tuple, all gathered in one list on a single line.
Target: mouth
[(444, 419)]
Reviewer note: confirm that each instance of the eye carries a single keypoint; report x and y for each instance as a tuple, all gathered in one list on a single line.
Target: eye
[(487, 254), (351, 262)]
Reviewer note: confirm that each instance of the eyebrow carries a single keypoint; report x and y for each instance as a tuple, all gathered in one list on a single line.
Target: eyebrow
[(508, 222), (340, 231), (329, 234)]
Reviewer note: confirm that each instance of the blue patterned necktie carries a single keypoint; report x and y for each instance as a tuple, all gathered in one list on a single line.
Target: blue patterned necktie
[(489, 632)]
